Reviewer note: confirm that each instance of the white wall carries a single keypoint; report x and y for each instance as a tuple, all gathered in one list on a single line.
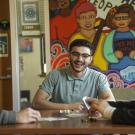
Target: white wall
[(31, 81), (30, 68)]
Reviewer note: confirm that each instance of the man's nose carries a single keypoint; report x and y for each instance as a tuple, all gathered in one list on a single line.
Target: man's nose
[(80, 57)]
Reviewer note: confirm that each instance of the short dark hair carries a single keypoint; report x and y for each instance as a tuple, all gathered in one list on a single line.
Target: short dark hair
[(80, 43)]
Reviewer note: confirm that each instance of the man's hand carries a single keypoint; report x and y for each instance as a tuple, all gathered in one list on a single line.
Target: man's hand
[(99, 105), (27, 115), (93, 112), (74, 106)]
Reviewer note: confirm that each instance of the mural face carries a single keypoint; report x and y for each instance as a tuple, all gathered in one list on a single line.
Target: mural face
[(119, 43), (86, 20), (121, 20), (110, 28)]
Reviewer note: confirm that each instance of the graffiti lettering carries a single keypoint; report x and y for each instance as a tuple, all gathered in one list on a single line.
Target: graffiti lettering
[(125, 1), (132, 2), (102, 4), (108, 5), (95, 2)]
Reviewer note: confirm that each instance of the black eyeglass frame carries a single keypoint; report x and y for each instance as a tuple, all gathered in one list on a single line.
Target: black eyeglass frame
[(83, 55)]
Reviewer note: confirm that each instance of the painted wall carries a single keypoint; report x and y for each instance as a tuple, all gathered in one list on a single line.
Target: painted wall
[(116, 61)]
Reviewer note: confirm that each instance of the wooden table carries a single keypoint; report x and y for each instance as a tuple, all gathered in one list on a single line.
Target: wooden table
[(69, 126)]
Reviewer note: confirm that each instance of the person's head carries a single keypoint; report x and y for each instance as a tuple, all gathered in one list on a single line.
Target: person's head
[(80, 54), (86, 15), (121, 16)]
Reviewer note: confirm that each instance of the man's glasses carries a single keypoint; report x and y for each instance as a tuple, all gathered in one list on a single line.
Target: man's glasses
[(84, 55)]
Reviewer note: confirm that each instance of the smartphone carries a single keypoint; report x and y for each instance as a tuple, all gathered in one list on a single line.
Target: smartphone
[(87, 105)]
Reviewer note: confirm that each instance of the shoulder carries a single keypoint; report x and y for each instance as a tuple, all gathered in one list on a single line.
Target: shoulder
[(96, 73), (58, 72)]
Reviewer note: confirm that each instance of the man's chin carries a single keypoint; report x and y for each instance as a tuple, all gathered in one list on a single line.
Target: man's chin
[(78, 70)]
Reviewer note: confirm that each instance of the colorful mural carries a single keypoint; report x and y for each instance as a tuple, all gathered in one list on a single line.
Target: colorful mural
[(110, 26)]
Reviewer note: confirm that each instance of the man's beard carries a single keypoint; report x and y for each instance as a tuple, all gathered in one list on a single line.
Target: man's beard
[(78, 71)]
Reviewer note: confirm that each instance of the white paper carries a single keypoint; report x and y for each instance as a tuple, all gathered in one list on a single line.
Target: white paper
[(76, 114), (52, 118)]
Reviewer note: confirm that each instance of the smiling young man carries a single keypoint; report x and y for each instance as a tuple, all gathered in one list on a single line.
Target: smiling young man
[(67, 86)]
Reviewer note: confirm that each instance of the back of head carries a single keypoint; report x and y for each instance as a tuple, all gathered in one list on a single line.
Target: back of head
[(81, 43)]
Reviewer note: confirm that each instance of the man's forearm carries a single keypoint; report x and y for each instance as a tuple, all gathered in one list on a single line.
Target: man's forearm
[(47, 105)]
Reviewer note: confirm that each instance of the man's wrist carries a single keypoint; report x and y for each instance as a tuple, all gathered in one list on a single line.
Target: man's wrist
[(108, 112)]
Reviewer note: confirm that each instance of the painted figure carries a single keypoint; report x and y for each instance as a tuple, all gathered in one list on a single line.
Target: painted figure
[(64, 24), (119, 46), (86, 18)]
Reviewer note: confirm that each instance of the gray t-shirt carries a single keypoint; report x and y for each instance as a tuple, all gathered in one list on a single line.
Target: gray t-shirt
[(64, 88), (7, 117)]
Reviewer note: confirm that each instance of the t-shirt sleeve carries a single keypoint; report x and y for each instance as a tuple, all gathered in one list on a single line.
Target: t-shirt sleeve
[(124, 116), (103, 83), (49, 82), (7, 117)]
